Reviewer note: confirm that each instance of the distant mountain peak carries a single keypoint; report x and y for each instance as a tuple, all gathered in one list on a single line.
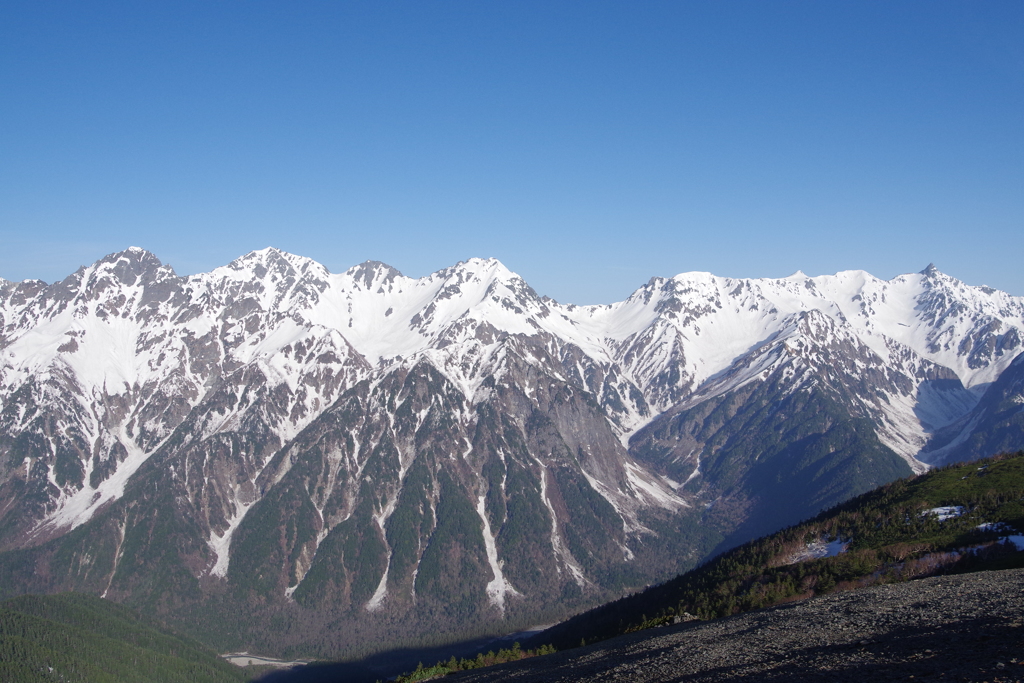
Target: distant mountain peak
[(133, 254), (484, 268), (368, 272), (276, 262), (131, 265)]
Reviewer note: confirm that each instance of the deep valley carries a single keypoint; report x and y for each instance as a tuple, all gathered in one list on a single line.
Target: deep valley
[(286, 461)]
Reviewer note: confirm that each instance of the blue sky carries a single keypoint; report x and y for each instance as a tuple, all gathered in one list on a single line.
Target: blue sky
[(588, 145)]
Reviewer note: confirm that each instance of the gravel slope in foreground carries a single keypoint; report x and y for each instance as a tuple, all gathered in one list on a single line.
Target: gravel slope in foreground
[(967, 627)]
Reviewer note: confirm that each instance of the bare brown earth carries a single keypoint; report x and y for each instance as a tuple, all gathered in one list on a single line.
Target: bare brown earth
[(954, 628)]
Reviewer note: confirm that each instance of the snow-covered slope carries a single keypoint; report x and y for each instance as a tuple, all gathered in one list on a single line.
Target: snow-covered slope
[(273, 382), (127, 331)]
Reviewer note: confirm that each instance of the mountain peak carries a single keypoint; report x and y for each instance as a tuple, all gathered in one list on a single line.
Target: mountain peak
[(358, 408), (485, 266), (367, 272), (130, 265), (688, 276), (135, 254), (274, 260), (485, 262), (487, 270), (265, 255), (930, 270)]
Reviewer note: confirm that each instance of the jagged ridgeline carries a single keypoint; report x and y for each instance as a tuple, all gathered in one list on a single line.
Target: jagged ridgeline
[(72, 637), (960, 518), (297, 462)]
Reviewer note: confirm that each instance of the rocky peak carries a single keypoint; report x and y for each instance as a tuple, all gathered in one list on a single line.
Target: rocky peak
[(133, 266), (275, 264), (269, 279), (478, 270), (370, 273)]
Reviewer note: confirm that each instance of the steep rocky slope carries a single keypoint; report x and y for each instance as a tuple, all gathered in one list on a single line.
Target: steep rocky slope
[(364, 457), (949, 628)]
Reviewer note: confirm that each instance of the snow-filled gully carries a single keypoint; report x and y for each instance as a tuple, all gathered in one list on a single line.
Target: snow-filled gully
[(498, 588), (377, 599), (117, 555), (556, 540), (221, 543)]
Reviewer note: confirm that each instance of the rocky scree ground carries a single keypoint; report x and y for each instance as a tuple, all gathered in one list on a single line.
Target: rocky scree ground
[(950, 628)]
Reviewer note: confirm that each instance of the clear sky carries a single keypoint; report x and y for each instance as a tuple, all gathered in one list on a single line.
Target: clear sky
[(588, 145)]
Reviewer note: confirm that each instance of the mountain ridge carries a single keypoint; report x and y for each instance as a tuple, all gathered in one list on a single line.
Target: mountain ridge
[(311, 440)]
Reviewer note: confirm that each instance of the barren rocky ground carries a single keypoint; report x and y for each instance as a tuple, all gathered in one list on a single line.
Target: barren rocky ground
[(953, 628)]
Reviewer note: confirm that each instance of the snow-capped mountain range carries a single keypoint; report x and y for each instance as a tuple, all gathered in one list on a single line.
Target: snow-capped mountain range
[(371, 423)]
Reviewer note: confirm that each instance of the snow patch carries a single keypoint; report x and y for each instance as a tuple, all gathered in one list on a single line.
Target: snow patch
[(557, 545), (1016, 539), (498, 588), (652, 490), (221, 543), (696, 470), (377, 600), (79, 507), (1007, 533), (946, 512), (817, 550), (122, 527)]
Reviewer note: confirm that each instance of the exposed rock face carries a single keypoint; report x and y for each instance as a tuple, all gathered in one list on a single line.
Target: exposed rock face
[(443, 453)]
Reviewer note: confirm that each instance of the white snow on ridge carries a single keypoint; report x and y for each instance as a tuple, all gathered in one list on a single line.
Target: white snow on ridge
[(385, 315), (114, 339)]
